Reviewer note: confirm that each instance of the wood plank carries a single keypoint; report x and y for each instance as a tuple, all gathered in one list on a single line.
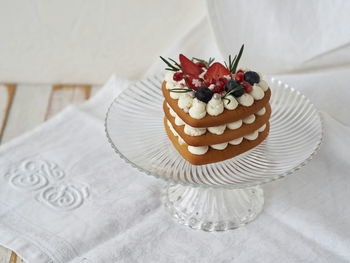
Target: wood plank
[(7, 92), (5, 255), (63, 95), (28, 110)]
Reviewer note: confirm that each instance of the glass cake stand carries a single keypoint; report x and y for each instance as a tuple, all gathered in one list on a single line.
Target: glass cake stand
[(219, 196)]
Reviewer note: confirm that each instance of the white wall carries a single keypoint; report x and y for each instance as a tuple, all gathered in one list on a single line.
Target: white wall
[(81, 41)]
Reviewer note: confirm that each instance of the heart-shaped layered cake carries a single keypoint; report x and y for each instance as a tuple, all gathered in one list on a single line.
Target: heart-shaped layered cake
[(214, 112)]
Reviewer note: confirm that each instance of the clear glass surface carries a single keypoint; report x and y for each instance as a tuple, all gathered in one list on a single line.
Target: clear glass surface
[(134, 127), (219, 196)]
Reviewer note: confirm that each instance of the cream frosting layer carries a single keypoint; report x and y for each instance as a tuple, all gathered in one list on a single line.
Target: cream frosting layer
[(218, 130), (200, 150)]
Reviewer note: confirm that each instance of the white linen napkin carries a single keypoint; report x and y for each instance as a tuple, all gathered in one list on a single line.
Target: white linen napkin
[(65, 196)]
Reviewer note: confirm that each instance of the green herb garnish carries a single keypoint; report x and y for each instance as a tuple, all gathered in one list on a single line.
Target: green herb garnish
[(205, 62), (171, 67), (233, 63), (180, 90)]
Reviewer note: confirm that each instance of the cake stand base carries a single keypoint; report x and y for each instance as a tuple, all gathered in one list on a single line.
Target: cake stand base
[(213, 209)]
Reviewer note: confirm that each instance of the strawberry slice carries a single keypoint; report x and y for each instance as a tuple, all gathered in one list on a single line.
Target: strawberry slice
[(188, 67), (216, 71), (193, 82)]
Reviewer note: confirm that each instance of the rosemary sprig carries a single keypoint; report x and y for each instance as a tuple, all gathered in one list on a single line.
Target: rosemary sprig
[(234, 68), (171, 67), (177, 64), (231, 63), (205, 62), (180, 90)]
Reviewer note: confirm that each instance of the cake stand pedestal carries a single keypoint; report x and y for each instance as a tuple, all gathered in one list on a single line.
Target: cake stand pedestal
[(213, 209), (218, 196)]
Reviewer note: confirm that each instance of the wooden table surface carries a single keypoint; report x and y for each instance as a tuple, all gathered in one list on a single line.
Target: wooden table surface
[(24, 106)]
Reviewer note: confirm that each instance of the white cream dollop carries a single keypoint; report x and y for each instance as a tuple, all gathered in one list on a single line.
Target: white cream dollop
[(250, 119), (263, 85), (215, 107), (236, 141), (174, 95), (234, 125), (198, 150), (252, 136), (172, 112), (257, 92), (246, 100), (185, 100), (192, 131), (169, 76), (179, 121), (197, 111), (230, 102), (218, 130), (261, 112), (219, 146), (262, 128), (169, 85), (172, 128)]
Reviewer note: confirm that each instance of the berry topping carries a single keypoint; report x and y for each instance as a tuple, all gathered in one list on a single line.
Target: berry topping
[(223, 80), (178, 76), (220, 83), (188, 67), (247, 86), (239, 76), (236, 86), (200, 64), (204, 94), (216, 71), (219, 86), (194, 82), (209, 82), (231, 84), (251, 77), (238, 93), (218, 89)]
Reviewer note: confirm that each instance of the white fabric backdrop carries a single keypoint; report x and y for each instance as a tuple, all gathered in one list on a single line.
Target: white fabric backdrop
[(118, 216), (284, 35), (74, 41)]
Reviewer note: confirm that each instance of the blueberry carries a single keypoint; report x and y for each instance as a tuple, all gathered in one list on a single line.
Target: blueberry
[(204, 94), (238, 93), (231, 84), (251, 77)]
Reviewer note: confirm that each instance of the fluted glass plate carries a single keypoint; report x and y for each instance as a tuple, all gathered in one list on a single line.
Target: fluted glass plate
[(134, 127)]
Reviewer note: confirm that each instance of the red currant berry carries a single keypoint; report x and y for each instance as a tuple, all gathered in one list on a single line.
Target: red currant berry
[(200, 64), (224, 80), (239, 76), (178, 76), (247, 87), (219, 83), (218, 89), (240, 70)]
